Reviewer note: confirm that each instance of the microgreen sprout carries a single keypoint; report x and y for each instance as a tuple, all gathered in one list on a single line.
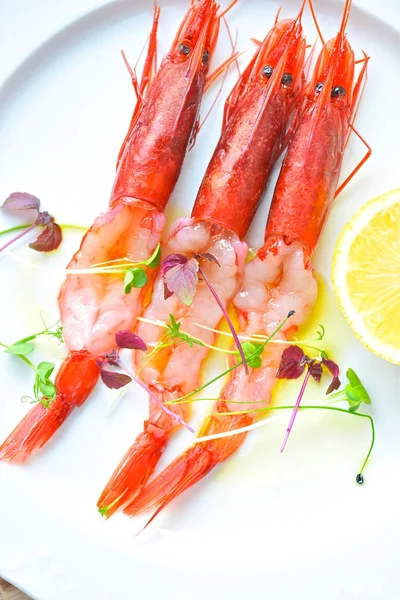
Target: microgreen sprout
[(49, 239), (181, 275), (116, 379), (134, 278), (173, 334), (240, 430), (354, 392), (135, 275), (24, 346), (353, 388), (44, 389), (251, 356), (173, 331)]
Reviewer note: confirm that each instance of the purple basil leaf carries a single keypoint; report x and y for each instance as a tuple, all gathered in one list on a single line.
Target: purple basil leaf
[(292, 363), (114, 380), (172, 261), (44, 218), (315, 369), (334, 369), (49, 239), (208, 256), (111, 358), (167, 293), (182, 279), (126, 339), (21, 201)]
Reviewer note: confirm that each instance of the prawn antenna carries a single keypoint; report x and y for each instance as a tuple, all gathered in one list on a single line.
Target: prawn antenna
[(314, 17)]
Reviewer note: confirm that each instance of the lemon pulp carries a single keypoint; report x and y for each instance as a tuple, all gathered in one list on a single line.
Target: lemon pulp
[(366, 274)]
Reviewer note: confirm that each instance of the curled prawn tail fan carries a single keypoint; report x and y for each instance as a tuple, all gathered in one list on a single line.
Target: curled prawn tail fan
[(182, 473), (74, 382), (142, 457), (193, 464), (132, 473)]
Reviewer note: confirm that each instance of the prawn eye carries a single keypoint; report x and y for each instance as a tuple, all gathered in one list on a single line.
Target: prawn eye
[(287, 79), (337, 91), (206, 57), (183, 49), (318, 87), (267, 71)]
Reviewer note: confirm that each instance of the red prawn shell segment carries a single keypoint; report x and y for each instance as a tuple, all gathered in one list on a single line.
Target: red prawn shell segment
[(194, 464), (74, 382), (309, 175), (256, 117), (308, 180), (154, 149)]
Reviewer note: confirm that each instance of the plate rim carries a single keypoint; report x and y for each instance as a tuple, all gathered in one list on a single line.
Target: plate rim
[(380, 11)]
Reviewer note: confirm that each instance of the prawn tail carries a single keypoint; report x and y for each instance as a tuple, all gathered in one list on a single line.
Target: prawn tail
[(181, 474), (194, 464), (132, 473), (142, 457), (74, 382)]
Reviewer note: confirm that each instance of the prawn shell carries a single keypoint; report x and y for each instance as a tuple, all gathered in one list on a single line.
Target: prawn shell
[(152, 159), (255, 119), (308, 179), (309, 175), (74, 382), (165, 120), (241, 164)]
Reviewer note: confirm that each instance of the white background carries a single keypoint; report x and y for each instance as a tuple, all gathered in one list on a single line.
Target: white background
[(264, 525)]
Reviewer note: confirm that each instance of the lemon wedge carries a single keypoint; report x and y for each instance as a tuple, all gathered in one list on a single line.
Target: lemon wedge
[(366, 275)]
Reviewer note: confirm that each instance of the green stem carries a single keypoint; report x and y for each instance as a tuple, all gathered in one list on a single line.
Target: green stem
[(148, 357), (63, 226), (179, 400), (235, 366), (203, 343), (31, 337), (348, 412), (252, 338), (17, 228), (72, 226), (26, 360), (215, 400), (340, 395), (316, 407), (312, 347)]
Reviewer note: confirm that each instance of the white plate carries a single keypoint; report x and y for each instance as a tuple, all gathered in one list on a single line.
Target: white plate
[(264, 524)]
